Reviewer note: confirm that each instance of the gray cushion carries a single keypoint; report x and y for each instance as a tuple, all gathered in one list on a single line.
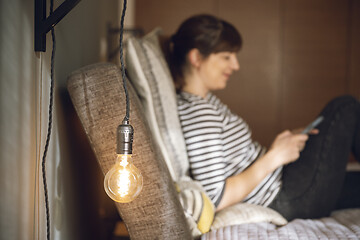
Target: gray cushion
[(149, 73)]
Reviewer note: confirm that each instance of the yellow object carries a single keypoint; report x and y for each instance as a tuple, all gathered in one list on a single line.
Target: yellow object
[(123, 182), (207, 215)]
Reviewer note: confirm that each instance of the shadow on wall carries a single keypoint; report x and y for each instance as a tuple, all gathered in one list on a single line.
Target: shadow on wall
[(96, 213)]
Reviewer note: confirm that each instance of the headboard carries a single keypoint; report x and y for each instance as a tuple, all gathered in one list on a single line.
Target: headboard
[(98, 97)]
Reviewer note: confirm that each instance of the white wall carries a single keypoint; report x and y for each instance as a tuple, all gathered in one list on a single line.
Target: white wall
[(24, 98), (21, 81)]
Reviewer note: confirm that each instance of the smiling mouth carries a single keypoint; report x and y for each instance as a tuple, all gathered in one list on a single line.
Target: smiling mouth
[(227, 75)]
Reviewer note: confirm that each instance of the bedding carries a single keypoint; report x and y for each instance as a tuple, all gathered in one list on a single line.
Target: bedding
[(342, 224)]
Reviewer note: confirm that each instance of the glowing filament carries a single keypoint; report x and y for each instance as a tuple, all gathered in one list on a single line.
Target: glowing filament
[(123, 183)]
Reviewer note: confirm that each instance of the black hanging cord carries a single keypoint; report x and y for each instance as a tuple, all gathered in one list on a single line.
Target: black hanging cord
[(49, 127), (127, 116)]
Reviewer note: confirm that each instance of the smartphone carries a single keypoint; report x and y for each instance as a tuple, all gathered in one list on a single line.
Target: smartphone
[(313, 125)]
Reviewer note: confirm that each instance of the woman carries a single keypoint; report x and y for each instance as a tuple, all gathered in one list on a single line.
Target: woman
[(300, 176)]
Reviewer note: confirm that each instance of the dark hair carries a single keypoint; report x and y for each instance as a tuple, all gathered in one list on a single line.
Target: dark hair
[(206, 33)]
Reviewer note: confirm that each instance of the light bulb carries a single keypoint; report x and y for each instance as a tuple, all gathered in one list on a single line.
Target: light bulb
[(123, 182)]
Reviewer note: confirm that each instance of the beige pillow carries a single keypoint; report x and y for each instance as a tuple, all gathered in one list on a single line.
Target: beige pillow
[(150, 75), (246, 213)]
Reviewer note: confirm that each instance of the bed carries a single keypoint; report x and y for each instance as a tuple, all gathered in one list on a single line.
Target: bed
[(160, 211)]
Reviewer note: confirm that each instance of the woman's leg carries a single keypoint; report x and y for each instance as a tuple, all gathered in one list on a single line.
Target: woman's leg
[(312, 185), (350, 194)]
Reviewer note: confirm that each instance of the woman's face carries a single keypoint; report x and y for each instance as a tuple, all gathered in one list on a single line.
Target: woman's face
[(216, 69)]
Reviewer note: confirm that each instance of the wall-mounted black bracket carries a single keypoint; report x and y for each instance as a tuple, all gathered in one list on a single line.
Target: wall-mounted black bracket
[(43, 24)]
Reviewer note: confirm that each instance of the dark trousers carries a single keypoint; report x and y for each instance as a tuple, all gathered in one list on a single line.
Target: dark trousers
[(317, 183)]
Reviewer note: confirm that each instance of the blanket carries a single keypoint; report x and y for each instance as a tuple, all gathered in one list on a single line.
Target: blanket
[(342, 224)]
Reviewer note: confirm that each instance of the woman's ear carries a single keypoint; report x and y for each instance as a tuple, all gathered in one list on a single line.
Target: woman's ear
[(195, 57)]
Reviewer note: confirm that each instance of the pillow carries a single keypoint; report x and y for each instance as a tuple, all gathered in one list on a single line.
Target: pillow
[(148, 71), (246, 213), (198, 208)]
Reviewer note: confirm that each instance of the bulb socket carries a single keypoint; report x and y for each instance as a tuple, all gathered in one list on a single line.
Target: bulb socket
[(125, 135)]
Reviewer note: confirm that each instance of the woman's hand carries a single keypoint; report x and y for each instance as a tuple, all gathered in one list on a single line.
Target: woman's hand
[(286, 148)]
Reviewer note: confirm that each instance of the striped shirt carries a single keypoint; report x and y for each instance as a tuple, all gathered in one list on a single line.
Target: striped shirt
[(219, 145)]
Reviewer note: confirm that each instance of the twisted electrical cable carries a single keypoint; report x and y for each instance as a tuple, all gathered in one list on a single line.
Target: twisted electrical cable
[(127, 116), (49, 127)]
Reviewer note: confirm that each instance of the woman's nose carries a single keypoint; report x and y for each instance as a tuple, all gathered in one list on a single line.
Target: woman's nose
[(235, 63)]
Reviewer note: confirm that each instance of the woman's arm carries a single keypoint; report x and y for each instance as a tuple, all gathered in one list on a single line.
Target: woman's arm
[(285, 149)]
